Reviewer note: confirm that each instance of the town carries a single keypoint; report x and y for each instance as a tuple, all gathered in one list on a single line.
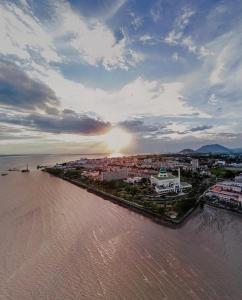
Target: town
[(170, 186)]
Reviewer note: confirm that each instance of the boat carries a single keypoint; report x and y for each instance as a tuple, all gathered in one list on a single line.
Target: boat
[(25, 170), (4, 174)]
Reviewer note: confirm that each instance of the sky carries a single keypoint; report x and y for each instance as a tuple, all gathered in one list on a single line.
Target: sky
[(169, 73)]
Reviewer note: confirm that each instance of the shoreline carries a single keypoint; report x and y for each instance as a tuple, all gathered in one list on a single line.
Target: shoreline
[(165, 221), (229, 209)]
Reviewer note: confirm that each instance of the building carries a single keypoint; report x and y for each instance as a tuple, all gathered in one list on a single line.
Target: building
[(143, 173), (165, 182), (114, 174), (195, 164), (133, 180), (221, 163), (228, 192), (238, 178)]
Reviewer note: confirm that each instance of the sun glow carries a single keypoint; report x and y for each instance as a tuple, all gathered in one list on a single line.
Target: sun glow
[(117, 139)]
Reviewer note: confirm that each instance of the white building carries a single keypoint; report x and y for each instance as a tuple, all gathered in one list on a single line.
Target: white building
[(115, 174), (220, 163), (195, 164), (133, 180), (165, 182), (238, 178)]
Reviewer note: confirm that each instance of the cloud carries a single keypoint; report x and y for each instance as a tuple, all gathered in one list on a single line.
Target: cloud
[(156, 10), (175, 56), (71, 123), (138, 97), (148, 127), (145, 97), (136, 21), (177, 37), (66, 36), (8, 133), (22, 34), (213, 100), (94, 42), (183, 20), (189, 43), (218, 81), (200, 128), (112, 7), (138, 125), (148, 39), (227, 66), (18, 90), (173, 37)]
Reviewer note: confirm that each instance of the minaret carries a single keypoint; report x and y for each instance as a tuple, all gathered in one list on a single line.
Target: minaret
[(179, 176)]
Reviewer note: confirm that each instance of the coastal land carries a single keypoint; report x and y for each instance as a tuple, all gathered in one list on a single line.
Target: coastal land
[(137, 193)]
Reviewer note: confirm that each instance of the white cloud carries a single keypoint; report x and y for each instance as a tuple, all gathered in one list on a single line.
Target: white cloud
[(175, 56), (173, 37), (176, 35), (218, 81), (226, 44), (156, 11), (138, 97), (95, 42), (148, 39), (136, 21), (22, 33), (226, 67), (193, 48), (145, 39), (184, 18), (213, 100), (116, 6)]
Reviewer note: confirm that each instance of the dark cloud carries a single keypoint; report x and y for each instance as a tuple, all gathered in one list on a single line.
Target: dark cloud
[(18, 90), (68, 111), (6, 137), (13, 133), (156, 130), (230, 135), (138, 125), (61, 123), (195, 129), (200, 128)]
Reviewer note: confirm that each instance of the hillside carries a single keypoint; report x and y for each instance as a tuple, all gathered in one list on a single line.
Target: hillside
[(187, 151), (214, 148)]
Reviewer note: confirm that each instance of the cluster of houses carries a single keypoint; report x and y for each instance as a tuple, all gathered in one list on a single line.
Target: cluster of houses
[(132, 169), (227, 192)]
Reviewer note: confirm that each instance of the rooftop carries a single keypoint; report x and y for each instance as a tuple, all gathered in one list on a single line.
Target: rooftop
[(164, 178)]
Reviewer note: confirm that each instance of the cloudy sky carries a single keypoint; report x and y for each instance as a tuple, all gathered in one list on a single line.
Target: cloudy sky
[(168, 72)]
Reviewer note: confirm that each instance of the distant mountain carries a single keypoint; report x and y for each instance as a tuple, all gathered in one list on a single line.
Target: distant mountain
[(237, 150), (187, 151), (214, 148)]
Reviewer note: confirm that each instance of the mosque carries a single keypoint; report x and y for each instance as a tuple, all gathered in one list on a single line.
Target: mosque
[(165, 182)]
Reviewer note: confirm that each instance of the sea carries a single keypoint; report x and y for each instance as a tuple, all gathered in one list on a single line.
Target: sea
[(58, 241)]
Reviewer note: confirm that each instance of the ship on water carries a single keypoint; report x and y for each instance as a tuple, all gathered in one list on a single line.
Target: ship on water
[(25, 170)]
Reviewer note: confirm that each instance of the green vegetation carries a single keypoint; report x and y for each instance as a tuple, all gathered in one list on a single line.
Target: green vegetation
[(54, 171), (224, 173)]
